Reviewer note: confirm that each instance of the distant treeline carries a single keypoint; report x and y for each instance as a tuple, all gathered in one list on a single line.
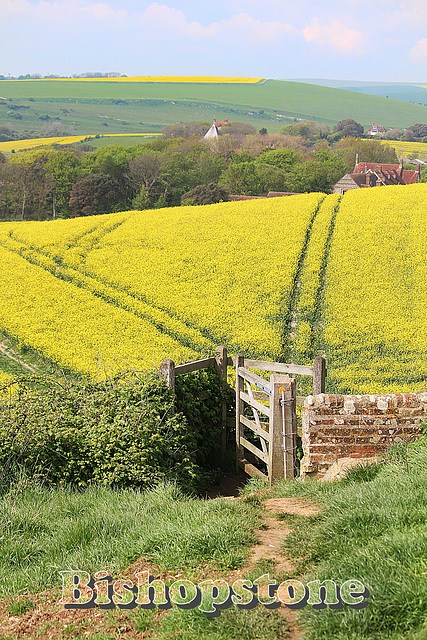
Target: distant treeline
[(88, 74), (179, 168)]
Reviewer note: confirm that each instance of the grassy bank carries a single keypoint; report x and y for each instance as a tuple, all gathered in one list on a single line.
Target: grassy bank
[(373, 528), (45, 531)]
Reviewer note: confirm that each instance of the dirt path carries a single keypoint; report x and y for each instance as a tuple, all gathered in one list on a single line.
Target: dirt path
[(5, 352), (271, 537)]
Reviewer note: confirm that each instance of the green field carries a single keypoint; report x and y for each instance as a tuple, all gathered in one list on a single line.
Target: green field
[(111, 107), (410, 92)]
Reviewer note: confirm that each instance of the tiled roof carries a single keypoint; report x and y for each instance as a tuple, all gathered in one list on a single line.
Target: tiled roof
[(388, 174)]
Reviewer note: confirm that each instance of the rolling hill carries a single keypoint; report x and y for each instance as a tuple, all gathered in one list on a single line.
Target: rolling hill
[(92, 107)]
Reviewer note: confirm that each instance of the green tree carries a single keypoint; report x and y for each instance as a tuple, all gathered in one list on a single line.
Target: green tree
[(63, 166), (142, 200), (284, 159), (349, 127), (144, 172), (95, 193), (419, 130), (177, 175), (241, 178), (367, 151), (204, 194)]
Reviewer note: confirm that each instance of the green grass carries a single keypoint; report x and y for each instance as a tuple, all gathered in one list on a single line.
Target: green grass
[(373, 528), (124, 141), (45, 531), (151, 106), (233, 624), (26, 356)]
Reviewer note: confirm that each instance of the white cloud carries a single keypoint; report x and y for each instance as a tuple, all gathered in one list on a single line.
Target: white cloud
[(335, 36), (414, 12), (102, 11), (419, 52), (162, 16), (240, 26), (244, 25)]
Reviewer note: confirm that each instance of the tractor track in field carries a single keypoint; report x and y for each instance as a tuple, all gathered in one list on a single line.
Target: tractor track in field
[(5, 352), (291, 316), (182, 340)]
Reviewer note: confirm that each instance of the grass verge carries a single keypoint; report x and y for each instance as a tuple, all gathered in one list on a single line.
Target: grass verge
[(373, 528), (45, 531)]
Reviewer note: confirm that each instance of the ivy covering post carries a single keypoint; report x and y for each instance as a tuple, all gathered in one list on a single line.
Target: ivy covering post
[(221, 369)]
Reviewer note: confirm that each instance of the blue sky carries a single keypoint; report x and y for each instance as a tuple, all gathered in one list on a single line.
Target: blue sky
[(384, 40)]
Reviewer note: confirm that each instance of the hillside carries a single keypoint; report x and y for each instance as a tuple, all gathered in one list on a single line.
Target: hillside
[(90, 107), (410, 92), (281, 279)]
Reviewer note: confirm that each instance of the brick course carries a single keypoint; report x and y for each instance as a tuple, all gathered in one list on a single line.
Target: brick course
[(337, 426)]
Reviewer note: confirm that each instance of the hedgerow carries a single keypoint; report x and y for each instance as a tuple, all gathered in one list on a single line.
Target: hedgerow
[(119, 433)]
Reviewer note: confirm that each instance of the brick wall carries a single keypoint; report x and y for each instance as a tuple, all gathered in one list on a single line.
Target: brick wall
[(336, 426)]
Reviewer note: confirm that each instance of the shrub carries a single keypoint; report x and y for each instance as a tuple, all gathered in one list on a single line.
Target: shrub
[(205, 194), (121, 434)]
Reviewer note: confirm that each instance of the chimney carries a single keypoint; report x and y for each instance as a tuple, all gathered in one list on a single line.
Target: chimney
[(368, 180), (357, 161)]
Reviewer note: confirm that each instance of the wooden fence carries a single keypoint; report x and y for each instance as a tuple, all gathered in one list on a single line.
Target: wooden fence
[(278, 435)]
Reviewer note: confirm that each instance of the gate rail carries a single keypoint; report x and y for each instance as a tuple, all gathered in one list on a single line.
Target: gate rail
[(275, 427), (275, 424)]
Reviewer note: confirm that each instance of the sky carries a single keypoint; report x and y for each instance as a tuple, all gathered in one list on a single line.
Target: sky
[(384, 40)]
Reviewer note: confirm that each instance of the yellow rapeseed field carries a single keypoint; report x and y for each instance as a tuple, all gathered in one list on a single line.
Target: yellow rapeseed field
[(198, 276), (375, 311), (191, 79), (31, 143), (310, 283), (407, 148), (138, 286)]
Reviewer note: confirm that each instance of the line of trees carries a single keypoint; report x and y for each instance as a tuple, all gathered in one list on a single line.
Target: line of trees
[(64, 182)]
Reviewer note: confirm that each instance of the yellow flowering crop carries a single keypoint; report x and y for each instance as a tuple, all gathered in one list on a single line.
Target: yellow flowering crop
[(70, 326), (406, 148), (376, 291), (310, 283), (139, 286), (31, 143), (191, 79), (5, 391), (225, 269), (179, 280)]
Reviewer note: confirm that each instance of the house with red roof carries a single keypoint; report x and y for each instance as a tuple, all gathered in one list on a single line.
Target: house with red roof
[(376, 130), (372, 174)]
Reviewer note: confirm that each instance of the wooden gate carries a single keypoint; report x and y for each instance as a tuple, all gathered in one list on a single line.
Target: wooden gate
[(272, 425), (272, 422)]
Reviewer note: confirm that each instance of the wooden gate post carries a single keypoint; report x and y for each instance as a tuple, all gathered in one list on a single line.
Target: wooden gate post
[(167, 371), (319, 375), (221, 369), (240, 362), (282, 445)]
